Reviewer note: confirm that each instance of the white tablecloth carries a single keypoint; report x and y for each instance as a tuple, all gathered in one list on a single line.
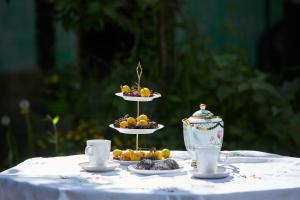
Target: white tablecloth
[(256, 175)]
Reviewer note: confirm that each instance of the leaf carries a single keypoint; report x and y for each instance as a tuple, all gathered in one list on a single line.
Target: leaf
[(55, 120)]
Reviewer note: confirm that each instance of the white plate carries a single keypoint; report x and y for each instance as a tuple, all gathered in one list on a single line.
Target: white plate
[(136, 131), (125, 162), (130, 98), (153, 172), (109, 167), (222, 172)]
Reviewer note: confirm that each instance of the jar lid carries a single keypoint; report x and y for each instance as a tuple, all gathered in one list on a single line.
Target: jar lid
[(203, 115)]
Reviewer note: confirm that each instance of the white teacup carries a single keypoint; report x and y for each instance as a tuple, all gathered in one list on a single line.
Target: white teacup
[(98, 152), (207, 158)]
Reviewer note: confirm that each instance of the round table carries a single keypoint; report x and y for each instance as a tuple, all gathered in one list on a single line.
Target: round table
[(255, 175)]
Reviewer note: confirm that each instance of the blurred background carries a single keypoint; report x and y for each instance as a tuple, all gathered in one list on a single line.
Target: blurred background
[(61, 61)]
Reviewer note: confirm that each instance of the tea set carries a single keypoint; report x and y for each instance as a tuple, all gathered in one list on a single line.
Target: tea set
[(202, 132), (203, 136)]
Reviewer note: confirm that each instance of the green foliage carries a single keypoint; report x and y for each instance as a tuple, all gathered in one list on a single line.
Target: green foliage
[(177, 63), (95, 14), (55, 135), (55, 120)]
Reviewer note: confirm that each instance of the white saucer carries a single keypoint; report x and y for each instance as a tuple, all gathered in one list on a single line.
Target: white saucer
[(110, 166), (222, 172), (125, 162)]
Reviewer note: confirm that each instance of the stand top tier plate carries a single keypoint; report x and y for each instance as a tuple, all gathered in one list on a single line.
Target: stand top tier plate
[(136, 131), (132, 98)]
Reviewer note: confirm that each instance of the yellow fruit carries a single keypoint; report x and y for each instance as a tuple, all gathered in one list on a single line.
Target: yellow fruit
[(165, 153), (130, 151), (158, 155), (126, 155), (117, 153), (136, 156), (145, 92), (142, 123), (141, 154), (150, 154), (131, 121), (123, 124), (142, 117), (125, 89)]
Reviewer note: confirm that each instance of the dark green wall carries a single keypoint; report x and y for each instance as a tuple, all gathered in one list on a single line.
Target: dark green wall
[(17, 50), (65, 47), (228, 24), (17, 38), (233, 24)]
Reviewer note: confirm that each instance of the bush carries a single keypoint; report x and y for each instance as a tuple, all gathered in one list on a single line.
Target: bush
[(176, 61)]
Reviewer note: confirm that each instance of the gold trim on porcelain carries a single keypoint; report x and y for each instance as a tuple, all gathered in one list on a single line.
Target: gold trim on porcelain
[(186, 122), (211, 117), (209, 128)]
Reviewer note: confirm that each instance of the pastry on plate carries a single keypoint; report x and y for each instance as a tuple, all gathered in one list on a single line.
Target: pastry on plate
[(147, 164)]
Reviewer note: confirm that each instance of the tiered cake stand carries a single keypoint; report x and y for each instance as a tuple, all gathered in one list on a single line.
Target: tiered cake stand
[(137, 132)]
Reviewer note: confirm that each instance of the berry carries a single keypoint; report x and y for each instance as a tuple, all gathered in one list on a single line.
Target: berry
[(142, 117), (158, 155), (145, 92), (150, 155), (131, 121), (137, 155), (117, 153), (126, 155), (125, 89), (142, 123), (165, 153), (123, 124)]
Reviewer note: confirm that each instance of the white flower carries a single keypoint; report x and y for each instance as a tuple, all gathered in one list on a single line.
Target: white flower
[(24, 104), (5, 120)]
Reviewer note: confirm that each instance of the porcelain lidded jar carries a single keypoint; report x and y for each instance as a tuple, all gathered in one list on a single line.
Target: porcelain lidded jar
[(202, 128)]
